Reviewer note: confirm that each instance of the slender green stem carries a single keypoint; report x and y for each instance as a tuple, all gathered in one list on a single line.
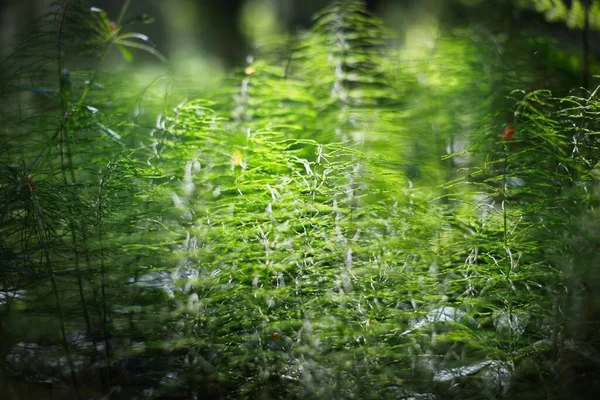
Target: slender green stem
[(41, 234), (507, 261), (105, 318), (84, 94), (64, 144), (123, 12), (101, 59), (585, 36)]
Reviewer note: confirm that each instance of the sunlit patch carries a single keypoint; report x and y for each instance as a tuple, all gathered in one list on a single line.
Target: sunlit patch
[(196, 165), (188, 183), (249, 70), (177, 202), (237, 160)]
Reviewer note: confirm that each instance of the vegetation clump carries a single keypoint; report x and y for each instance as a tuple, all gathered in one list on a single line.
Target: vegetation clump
[(337, 220)]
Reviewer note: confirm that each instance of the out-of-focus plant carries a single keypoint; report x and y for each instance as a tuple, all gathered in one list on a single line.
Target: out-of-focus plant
[(53, 206), (572, 13)]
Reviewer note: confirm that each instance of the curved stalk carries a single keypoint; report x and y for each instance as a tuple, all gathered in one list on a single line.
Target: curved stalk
[(64, 142)]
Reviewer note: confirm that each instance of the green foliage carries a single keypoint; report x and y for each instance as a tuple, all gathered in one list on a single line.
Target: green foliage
[(339, 221), (572, 13)]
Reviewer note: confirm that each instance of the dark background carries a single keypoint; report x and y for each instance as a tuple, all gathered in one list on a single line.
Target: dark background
[(216, 21), (213, 26)]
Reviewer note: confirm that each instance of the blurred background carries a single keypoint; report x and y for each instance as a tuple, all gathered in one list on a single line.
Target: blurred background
[(208, 35)]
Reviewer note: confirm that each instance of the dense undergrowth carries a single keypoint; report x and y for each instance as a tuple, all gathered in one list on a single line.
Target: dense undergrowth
[(343, 220)]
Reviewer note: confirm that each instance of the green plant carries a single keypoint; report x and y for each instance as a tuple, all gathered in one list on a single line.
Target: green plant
[(294, 233)]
